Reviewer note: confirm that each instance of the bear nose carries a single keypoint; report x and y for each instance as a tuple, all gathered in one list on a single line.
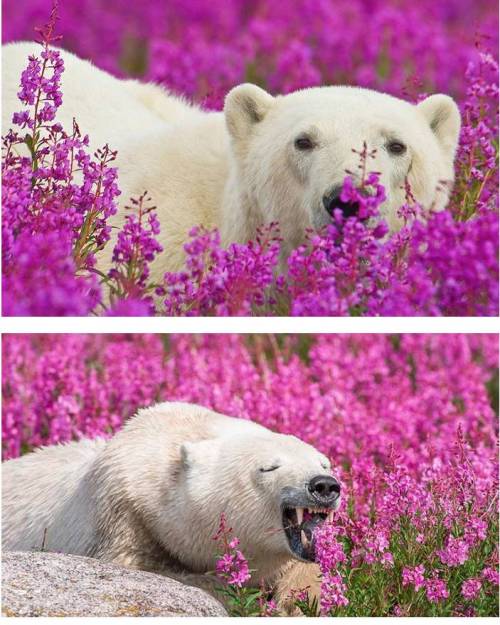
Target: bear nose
[(332, 200), (324, 487)]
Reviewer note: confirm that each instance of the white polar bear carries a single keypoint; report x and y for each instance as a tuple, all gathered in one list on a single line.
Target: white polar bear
[(263, 159), (151, 497)]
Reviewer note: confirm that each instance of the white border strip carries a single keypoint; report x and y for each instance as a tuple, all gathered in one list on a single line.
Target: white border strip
[(245, 325)]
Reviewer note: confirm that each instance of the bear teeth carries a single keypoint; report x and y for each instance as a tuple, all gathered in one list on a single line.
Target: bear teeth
[(300, 515), (303, 539), (317, 510)]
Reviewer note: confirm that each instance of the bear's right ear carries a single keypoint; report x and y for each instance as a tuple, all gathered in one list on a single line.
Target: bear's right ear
[(245, 106)]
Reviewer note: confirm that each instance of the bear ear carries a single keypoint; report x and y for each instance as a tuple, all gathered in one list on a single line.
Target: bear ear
[(245, 106), (193, 452), (189, 454), (443, 117), (186, 454)]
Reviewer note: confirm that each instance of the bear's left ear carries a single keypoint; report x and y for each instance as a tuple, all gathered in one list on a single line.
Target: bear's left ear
[(187, 454), (196, 452), (443, 117), (245, 106)]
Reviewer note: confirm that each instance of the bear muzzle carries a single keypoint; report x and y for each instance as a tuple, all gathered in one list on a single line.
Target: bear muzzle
[(304, 510), (332, 201)]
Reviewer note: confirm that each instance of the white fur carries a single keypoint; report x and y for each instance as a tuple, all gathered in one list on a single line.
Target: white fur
[(239, 169), (151, 497)]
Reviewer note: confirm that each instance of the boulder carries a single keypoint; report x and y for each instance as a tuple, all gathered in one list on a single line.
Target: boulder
[(55, 584)]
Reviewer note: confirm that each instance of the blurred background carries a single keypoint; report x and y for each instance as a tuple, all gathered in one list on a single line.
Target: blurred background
[(201, 49), (350, 395)]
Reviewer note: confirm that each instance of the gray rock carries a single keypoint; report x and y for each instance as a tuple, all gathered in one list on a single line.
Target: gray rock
[(54, 584)]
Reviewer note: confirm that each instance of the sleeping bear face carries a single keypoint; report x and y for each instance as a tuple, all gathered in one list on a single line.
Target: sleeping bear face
[(294, 151), (308, 492), (274, 490)]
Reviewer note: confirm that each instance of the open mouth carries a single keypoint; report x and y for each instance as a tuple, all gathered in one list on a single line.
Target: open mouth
[(299, 525), (349, 209)]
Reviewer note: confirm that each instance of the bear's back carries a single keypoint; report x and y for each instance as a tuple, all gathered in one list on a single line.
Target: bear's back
[(47, 500)]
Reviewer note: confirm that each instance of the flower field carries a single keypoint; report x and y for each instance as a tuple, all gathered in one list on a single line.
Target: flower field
[(57, 201), (409, 422)]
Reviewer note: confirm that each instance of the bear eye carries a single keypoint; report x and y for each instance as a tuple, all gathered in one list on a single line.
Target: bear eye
[(272, 467), (303, 143), (396, 147)]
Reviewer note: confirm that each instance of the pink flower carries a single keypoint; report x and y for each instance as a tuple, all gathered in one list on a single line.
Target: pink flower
[(398, 611), (333, 592), (329, 551), (455, 553), (387, 560), (379, 542), (268, 608), (436, 590), (490, 574), (471, 588), (232, 566), (475, 530), (414, 576)]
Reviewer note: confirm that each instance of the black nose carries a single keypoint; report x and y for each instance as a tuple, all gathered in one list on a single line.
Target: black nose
[(324, 487), (332, 200)]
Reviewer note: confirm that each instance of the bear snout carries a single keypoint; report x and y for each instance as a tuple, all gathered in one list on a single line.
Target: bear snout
[(324, 488), (331, 201)]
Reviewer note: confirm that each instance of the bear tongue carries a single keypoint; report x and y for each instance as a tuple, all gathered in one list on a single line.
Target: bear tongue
[(310, 525)]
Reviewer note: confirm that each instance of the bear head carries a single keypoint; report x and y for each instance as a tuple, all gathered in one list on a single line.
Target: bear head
[(292, 152), (273, 489)]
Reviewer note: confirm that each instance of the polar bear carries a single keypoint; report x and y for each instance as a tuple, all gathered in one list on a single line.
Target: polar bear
[(263, 159), (152, 496)]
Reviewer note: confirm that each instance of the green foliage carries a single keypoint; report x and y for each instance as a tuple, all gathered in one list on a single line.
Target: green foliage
[(242, 601)]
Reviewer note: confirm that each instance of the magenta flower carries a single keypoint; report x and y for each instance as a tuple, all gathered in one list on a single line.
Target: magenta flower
[(231, 567), (414, 577), (456, 552), (471, 589), (436, 590), (490, 574), (387, 559), (329, 551), (333, 591)]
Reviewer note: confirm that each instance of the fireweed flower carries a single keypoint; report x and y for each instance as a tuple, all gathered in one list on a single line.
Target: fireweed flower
[(333, 591), (52, 225), (490, 575), (471, 588), (455, 553), (328, 550), (436, 590), (296, 41), (223, 282), (47, 219), (329, 555), (232, 566), (414, 577)]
